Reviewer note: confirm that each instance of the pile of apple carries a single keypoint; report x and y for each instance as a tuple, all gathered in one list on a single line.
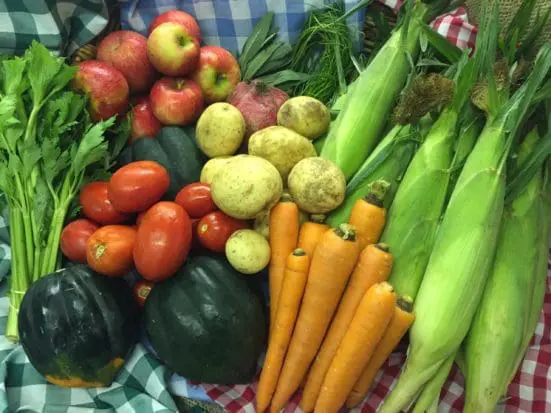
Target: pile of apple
[(167, 78)]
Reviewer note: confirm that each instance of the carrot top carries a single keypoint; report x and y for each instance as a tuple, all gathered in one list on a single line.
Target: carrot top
[(377, 193), (346, 232), (405, 303)]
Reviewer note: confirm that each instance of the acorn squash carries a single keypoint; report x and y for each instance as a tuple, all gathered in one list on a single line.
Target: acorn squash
[(175, 149), (78, 327), (206, 324)]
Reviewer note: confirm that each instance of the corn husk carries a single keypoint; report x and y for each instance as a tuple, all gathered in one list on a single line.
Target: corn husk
[(415, 213), (430, 396), (539, 279), (496, 334), (464, 248), (389, 161), (364, 115)]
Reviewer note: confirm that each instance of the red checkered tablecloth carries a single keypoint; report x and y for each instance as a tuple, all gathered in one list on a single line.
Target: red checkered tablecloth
[(530, 391)]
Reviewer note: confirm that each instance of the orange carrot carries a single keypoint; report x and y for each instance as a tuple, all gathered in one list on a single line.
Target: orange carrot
[(358, 344), (373, 267), (399, 325), (332, 263), (368, 215), (310, 234), (294, 282), (284, 228)]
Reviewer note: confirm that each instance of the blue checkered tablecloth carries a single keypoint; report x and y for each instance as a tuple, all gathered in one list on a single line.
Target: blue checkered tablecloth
[(227, 23)]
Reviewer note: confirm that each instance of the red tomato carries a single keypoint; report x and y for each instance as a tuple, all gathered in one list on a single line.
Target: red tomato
[(138, 185), (74, 237), (215, 228), (96, 205), (196, 199), (141, 290), (109, 250), (195, 244), (163, 241)]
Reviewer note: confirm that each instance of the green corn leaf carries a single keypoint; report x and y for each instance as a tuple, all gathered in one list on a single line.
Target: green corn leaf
[(527, 169), (519, 25), (441, 44), (526, 47)]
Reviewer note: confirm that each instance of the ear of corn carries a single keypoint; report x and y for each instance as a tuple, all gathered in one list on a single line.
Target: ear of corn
[(365, 111), (415, 213), (464, 248), (496, 334), (388, 162), (420, 201), (539, 279)]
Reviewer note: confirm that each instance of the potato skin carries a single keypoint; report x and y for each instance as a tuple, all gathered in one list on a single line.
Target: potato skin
[(246, 186), (212, 167), (282, 147), (220, 130), (317, 185), (248, 251), (305, 115), (262, 224)]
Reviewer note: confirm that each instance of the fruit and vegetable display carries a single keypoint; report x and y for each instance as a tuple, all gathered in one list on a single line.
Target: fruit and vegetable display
[(399, 197)]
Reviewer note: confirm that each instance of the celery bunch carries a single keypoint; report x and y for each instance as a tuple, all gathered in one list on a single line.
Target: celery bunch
[(47, 145)]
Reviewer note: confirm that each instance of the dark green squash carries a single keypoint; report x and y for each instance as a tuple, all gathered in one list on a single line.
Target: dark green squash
[(175, 149), (78, 327), (206, 324)]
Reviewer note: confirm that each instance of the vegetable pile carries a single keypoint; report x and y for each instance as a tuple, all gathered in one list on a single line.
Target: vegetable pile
[(390, 202)]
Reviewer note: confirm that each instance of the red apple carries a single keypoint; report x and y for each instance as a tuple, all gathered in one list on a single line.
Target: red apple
[(180, 17), (127, 52), (144, 122), (106, 87), (217, 73), (176, 101), (172, 50)]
